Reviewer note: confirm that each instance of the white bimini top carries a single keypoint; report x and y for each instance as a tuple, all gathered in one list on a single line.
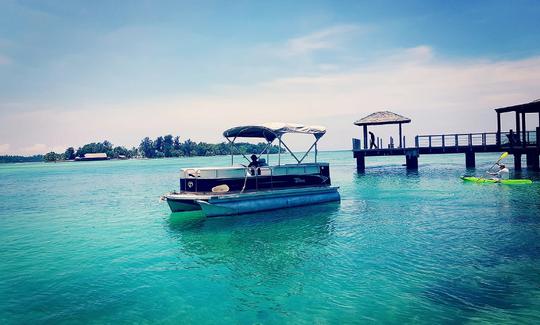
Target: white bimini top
[(271, 131)]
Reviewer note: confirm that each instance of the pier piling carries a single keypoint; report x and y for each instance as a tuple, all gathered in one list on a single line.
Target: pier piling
[(411, 159), (517, 161), (533, 161), (470, 161), (360, 162)]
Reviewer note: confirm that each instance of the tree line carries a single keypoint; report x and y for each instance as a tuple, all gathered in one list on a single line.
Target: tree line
[(161, 147), (94, 147), (169, 146), (19, 159)]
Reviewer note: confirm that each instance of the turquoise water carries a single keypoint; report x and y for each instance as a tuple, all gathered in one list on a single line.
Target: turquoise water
[(89, 242)]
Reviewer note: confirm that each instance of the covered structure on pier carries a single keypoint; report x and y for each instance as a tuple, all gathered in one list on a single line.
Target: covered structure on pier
[(521, 136), (521, 141), (381, 118)]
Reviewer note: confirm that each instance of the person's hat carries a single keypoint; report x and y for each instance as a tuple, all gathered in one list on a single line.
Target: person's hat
[(253, 157)]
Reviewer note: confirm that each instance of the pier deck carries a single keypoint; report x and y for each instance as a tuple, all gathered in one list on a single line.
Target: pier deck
[(517, 142), (466, 143)]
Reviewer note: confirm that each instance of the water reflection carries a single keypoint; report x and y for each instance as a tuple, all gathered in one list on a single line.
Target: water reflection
[(266, 240), (411, 172), (260, 252), (472, 171), (187, 220), (473, 295)]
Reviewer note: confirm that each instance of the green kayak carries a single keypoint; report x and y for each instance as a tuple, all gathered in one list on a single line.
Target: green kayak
[(489, 180)]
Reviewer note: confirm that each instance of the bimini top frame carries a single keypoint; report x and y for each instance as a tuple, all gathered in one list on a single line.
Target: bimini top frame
[(271, 132)]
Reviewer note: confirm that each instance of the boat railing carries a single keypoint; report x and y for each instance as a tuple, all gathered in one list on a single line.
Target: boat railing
[(255, 172)]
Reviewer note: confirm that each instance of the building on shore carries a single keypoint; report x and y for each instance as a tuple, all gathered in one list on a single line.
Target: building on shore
[(93, 156)]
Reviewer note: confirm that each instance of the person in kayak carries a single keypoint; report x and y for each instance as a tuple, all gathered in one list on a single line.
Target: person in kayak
[(503, 173)]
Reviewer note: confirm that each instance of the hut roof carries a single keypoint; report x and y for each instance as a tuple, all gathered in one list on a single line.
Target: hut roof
[(532, 107), (384, 117)]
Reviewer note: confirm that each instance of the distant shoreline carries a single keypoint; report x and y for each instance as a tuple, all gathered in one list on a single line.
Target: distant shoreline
[(29, 159)]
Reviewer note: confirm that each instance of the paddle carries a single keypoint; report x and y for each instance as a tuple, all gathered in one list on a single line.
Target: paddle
[(504, 154)]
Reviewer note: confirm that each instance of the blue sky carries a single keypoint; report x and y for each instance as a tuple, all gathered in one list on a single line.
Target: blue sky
[(72, 72)]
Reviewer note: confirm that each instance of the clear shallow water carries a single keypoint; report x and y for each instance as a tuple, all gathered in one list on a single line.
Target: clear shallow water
[(89, 242)]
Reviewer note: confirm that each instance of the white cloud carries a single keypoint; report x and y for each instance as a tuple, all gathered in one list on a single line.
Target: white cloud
[(324, 39), (440, 95), (39, 149), (4, 148)]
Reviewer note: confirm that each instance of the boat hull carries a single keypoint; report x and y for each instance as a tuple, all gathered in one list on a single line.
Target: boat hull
[(180, 205), (240, 203)]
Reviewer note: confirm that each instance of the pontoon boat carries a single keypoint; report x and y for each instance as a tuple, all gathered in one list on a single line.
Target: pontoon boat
[(241, 189)]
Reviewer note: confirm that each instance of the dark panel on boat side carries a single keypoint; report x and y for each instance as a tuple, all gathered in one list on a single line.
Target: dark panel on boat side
[(253, 183), (325, 171)]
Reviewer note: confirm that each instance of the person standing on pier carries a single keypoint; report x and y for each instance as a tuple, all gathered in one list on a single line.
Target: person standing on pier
[(372, 141)]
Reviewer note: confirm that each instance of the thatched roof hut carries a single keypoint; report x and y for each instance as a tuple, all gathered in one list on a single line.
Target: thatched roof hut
[(384, 117), (380, 118)]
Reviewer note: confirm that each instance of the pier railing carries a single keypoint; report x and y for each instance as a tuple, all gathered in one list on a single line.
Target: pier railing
[(460, 140), (516, 143), (455, 140), (506, 139), (356, 144)]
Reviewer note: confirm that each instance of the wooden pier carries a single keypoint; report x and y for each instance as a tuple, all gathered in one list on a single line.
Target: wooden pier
[(517, 143)]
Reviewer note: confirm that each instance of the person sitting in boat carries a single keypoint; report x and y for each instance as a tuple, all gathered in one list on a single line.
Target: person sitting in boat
[(503, 173), (254, 162), (254, 165)]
